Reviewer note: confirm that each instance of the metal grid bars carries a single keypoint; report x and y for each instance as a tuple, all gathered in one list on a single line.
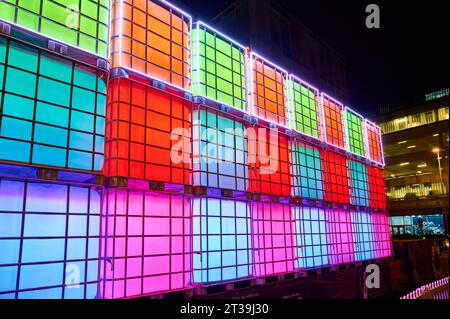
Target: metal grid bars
[(381, 235), (374, 143), (336, 178), (340, 237), (52, 110), (333, 121), (377, 188), (149, 133), (222, 240), (146, 243), (269, 162), (266, 96), (303, 102), (79, 23), (307, 174), (363, 235), (220, 157), (49, 240), (218, 67), (359, 184), (273, 238), (311, 237), (152, 38), (355, 132)]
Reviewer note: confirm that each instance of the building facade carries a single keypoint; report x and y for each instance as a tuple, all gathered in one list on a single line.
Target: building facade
[(416, 139)]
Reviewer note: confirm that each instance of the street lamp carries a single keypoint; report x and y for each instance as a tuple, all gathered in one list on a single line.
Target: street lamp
[(437, 151)]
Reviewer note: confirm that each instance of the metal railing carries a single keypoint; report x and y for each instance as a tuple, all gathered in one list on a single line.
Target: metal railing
[(434, 290)]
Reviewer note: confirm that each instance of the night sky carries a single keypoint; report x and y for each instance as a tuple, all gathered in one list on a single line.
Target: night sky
[(394, 65)]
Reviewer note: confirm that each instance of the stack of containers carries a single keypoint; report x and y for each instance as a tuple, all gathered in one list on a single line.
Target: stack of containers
[(53, 77), (218, 165), (146, 246)]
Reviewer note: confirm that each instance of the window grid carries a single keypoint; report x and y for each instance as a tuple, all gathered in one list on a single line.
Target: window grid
[(82, 23), (267, 98), (269, 162), (377, 188), (218, 70), (355, 133), (219, 151), (303, 102), (335, 176), (333, 113), (141, 121), (146, 246), (273, 228), (222, 240), (49, 240), (340, 237), (306, 171), (359, 184), (363, 235), (58, 117), (154, 41), (311, 235), (374, 143)]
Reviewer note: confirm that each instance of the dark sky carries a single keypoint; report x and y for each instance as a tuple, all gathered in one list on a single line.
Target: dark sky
[(404, 59)]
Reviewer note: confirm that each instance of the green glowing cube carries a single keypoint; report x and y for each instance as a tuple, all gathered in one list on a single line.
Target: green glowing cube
[(218, 68), (302, 101), (80, 23), (355, 136)]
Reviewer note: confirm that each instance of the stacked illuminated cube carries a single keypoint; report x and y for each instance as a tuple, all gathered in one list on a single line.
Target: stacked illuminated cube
[(189, 161), (53, 74)]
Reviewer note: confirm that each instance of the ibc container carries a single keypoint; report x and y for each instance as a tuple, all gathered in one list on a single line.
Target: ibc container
[(146, 243), (266, 90), (311, 237), (152, 38), (340, 237), (359, 186), (333, 122), (220, 158), (335, 177), (377, 188), (382, 235), (218, 67), (363, 235), (269, 162), (222, 240), (149, 133), (307, 171), (354, 124), (53, 109), (273, 231), (304, 103), (49, 240), (80, 23), (374, 142)]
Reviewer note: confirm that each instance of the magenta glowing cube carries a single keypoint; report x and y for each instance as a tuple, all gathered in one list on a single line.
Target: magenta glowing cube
[(382, 235), (340, 237), (146, 243), (273, 238)]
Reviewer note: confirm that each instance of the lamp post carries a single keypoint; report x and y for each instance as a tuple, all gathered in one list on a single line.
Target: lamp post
[(437, 151)]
